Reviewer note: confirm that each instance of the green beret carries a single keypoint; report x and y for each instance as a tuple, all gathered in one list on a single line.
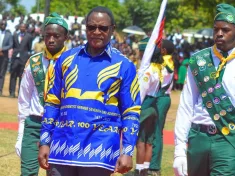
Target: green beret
[(225, 12), (55, 18), (143, 43)]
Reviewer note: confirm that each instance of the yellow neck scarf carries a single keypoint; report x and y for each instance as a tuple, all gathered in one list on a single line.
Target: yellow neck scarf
[(222, 59), (157, 68), (168, 61), (48, 55), (49, 79)]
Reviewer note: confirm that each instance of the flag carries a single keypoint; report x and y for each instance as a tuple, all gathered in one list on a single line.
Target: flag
[(160, 34), (155, 39)]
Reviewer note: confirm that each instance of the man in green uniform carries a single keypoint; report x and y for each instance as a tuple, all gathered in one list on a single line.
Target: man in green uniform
[(37, 78), (205, 123)]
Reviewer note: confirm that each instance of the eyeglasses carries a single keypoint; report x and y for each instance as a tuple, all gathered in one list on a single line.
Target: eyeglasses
[(101, 28)]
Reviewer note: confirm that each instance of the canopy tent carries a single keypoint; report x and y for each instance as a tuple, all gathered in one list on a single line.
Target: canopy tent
[(134, 30), (206, 32)]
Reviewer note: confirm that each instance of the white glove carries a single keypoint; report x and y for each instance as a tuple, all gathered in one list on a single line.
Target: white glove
[(180, 166), (19, 137)]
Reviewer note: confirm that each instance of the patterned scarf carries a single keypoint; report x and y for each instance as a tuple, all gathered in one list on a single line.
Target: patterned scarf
[(50, 75), (222, 59)]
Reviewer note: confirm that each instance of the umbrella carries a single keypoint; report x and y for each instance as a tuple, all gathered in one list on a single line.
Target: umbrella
[(206, 32), (134, 30)]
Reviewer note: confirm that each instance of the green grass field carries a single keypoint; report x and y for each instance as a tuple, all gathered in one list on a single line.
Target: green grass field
[(10, 162)]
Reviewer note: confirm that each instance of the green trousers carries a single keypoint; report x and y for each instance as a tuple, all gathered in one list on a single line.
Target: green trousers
[(163, 105), (148, 118), (209, 155), (30, 143)]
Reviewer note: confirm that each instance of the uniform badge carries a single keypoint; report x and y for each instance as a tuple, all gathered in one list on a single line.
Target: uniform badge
[(40, 71), (216, 100), (216, 117), (223, 112), (225, 131), (199, 57), (218, 86), (206, 78), (230, 18), (201, 62), (204, 94), (147, 73), (213, 75), (146, 79), (195, 72), (36, 58), (210, 90), (202, 68), (41, 94), (230, 109), (38, 83), (223, 96), (231, 126), (209, 64), (36, 69), (209, 104), (207, 54)]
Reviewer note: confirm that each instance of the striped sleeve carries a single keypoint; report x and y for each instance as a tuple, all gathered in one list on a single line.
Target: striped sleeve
[(130, 109)]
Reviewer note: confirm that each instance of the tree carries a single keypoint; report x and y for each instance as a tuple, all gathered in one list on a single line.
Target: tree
[(13, 3), (181, 14), (82, 7), (143, 12), (18, 10), (2, 6), (15, 9)]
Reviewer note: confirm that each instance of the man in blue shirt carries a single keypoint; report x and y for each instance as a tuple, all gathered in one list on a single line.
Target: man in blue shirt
[(93, 99)]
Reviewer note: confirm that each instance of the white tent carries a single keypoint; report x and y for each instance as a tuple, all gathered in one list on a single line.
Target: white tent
[(134, 30)]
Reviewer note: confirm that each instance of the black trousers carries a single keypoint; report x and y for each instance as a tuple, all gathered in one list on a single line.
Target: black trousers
[(17, 69), (3, 70), (63, 170)]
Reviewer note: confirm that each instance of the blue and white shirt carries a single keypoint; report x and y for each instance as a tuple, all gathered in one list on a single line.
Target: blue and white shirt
[(90, 103)]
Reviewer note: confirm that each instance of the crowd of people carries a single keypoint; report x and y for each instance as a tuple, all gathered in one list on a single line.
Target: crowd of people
[(87, 98)]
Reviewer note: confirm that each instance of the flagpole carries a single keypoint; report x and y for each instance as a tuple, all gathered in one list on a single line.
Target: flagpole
[(151, 43)]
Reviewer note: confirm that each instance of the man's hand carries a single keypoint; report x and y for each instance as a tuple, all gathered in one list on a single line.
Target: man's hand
[(1, 52), (180, 166), (43, 156), (124, 164)]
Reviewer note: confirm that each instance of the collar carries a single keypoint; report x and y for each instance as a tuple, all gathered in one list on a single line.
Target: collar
[(229, 52), (222, 59), (48, 55), (21, 34), (107, 50)]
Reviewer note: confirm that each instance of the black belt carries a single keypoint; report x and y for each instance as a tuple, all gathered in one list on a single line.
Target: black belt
[(209, 129)]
